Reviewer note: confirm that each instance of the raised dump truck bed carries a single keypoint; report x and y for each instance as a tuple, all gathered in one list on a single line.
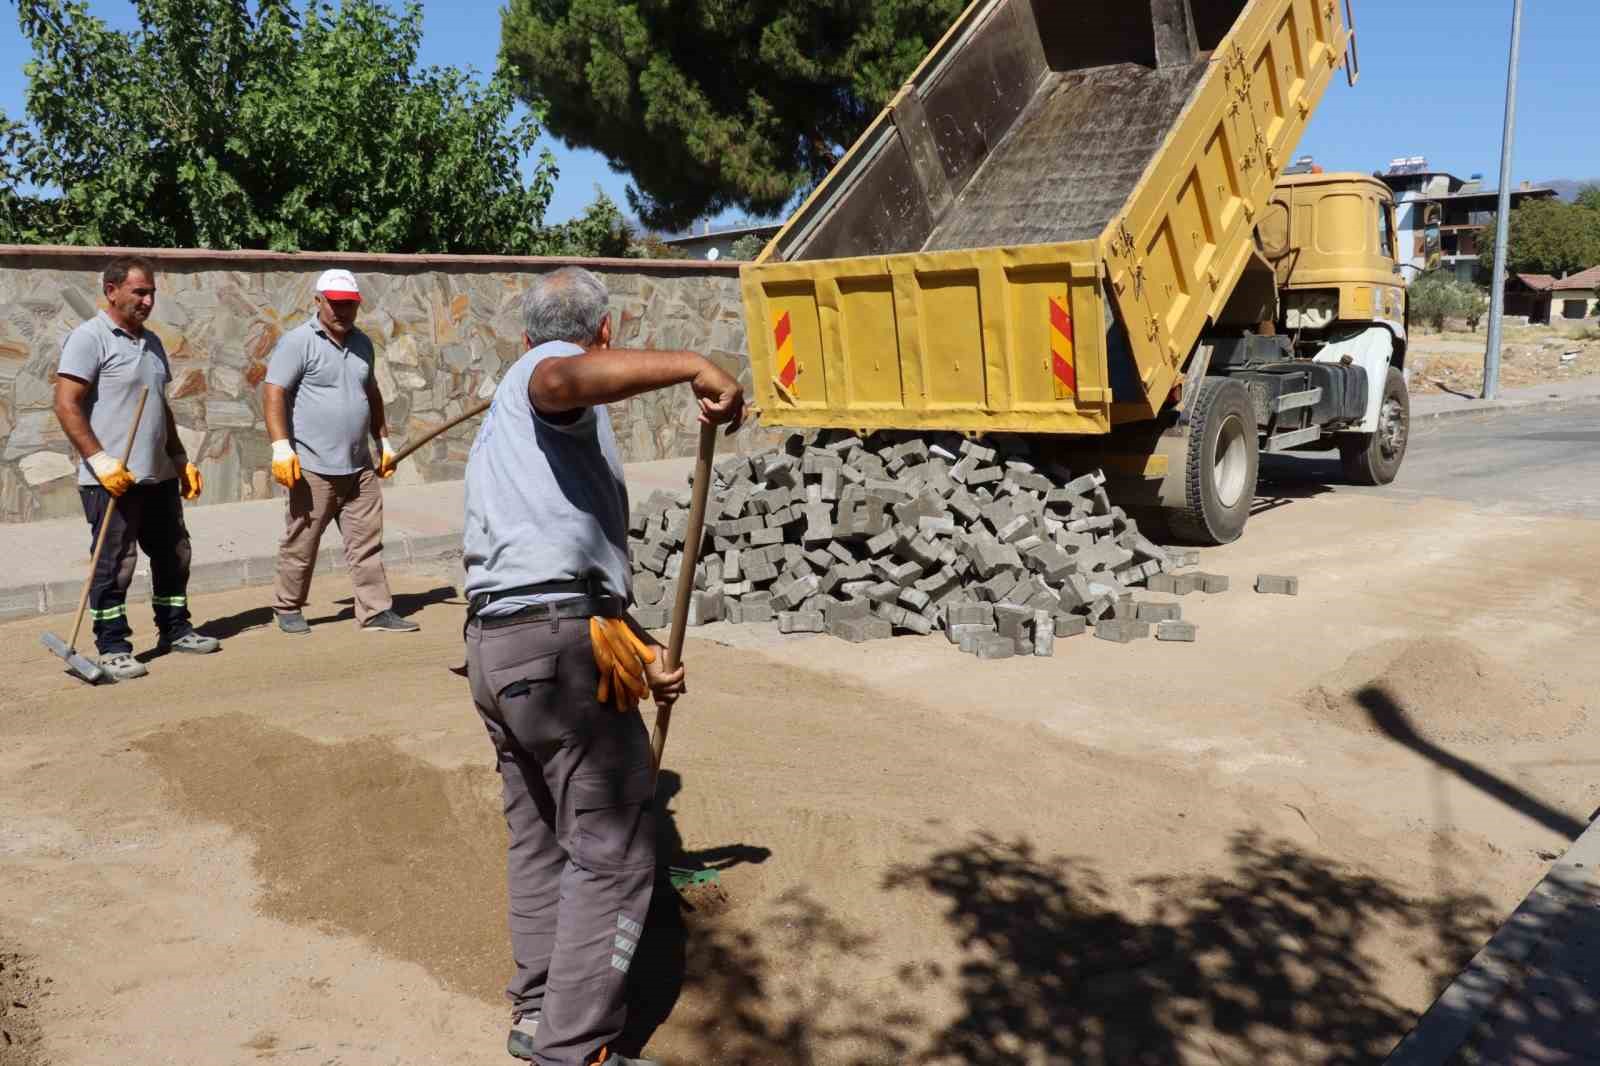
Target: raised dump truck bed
[(1035, 233)]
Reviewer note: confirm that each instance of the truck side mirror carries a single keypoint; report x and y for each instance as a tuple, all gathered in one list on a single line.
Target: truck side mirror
[(1431, 241)]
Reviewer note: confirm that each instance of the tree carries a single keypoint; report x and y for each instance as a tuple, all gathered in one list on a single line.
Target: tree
[(1547, 237), (711, 105), (1589, 197), (262, 124), (1437, 295)]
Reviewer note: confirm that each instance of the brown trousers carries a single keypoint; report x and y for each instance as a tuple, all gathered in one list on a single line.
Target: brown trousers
[(355, 502)]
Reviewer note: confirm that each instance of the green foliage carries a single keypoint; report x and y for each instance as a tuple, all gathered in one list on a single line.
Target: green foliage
[(1437, 295), (265, 124), (1477, 305), (600, 231), (1589, 197), (711, 105), (1547, 237), (746, 248)]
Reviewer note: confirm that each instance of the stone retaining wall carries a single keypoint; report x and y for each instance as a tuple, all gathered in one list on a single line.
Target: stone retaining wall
[(445, 327)]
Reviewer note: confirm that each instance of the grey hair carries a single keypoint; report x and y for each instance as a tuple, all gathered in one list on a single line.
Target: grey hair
[(564, 305)]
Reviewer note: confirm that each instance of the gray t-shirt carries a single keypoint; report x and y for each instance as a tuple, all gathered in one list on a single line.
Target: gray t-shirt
[(115, 364), (329, 416), (545, 502)]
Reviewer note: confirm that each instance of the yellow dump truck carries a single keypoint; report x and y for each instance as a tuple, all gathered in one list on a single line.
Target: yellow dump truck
[(1074, 221)]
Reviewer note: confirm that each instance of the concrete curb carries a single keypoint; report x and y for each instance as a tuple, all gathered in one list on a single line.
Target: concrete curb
[(1495, 971), (401, 551), (1506, 406)]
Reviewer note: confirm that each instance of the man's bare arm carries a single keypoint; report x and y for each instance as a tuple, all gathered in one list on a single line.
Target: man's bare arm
[(275, 407), (379, 425), (606, 375), (72, 411)]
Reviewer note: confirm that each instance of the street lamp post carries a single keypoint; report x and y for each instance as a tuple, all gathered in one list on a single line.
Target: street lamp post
[(1497, 296)]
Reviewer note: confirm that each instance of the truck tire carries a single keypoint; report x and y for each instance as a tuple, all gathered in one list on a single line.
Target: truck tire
[(1220, 464), (1374, 458)]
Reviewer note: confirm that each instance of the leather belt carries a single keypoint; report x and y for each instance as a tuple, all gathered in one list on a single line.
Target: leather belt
[(574, 607)]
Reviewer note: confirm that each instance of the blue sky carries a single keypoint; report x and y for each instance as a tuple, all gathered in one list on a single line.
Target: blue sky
[(1433, 84)]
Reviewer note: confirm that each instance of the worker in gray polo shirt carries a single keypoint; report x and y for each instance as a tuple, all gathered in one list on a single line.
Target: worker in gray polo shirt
[(556, 663), (105, 364), (321, 402)]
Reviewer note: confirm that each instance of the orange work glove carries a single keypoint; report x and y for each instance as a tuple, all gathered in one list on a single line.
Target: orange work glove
[(386, 463), (111, 473), (621, 658), (190, 483), (285, 464)]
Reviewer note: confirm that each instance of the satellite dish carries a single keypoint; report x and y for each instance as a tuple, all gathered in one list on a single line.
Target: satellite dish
[(713, 255)]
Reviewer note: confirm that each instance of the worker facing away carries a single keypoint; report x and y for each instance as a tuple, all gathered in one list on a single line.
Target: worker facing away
[(321, 402), (105, 364), (557, 664)]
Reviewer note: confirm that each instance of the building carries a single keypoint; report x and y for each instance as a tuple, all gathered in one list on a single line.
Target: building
[(1465, 205), (718, 244), (1576, 296), (1544, 298)]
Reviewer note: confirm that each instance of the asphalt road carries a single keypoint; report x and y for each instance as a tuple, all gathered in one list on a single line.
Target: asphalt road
[(1523, 462)]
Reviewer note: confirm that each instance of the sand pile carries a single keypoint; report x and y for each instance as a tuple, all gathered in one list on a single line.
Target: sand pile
[(1442, 688)]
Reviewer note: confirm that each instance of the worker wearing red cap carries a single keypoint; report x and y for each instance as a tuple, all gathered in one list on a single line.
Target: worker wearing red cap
[(321, 403)]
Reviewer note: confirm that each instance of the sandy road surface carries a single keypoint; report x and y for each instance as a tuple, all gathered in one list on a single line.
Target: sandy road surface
[(1269, 846)]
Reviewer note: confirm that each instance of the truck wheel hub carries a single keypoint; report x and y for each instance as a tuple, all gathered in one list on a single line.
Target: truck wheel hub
[(1391, 429), (1232, 458)]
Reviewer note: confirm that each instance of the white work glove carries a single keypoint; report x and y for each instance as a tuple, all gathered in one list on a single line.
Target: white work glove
[(111, 473), (285, 464), (386, 463)]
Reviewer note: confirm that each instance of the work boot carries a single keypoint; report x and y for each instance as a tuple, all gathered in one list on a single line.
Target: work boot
[(519, 1042), (191, 643), (389, 622), (122, 666), (293, 622)]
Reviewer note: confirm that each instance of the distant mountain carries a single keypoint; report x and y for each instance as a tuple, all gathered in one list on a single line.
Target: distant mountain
[(1568, 187)]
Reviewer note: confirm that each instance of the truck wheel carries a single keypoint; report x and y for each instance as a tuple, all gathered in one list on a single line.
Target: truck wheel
[(1374, 458), (1220, 464)]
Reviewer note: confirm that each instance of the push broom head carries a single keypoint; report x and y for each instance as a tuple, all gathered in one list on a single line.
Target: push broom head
[(77, 665)]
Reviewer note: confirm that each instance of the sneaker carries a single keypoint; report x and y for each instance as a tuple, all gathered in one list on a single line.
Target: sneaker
[(191, 643), (293, 622), (389, 622), (519, 1042), (122, 666)]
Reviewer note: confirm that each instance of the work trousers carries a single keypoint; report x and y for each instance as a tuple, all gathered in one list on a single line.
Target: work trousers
[(579, 793), (150, 517), (355, 502)]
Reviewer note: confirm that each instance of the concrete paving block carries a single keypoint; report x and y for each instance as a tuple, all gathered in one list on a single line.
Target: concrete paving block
[(884, 592), (1012, 620), (916, 622), (1211, 583), (1071, 625), (995, 588), (1277, 585), (984, 475), (1174, 584), (994, 647), (657, 617), (914, 599), (648, 589), (704, 607), (971, 636), (766, 535), (941, 526), (1159, 612), (1101, 607), (970, 614), (978, 452), (838, 610), (1176, 630), (1044, 634), (800, 622), (860, 630), (1121, 630), (957, 633)]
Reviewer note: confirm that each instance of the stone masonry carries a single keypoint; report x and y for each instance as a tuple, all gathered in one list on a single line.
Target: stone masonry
[(445, 328)]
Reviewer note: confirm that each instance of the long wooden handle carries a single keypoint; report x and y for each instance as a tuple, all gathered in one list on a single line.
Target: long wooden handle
[(691, 557), (445, 428), (105, 525)]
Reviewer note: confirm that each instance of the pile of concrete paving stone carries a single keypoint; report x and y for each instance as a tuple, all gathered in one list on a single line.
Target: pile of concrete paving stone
[(901, 533)]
